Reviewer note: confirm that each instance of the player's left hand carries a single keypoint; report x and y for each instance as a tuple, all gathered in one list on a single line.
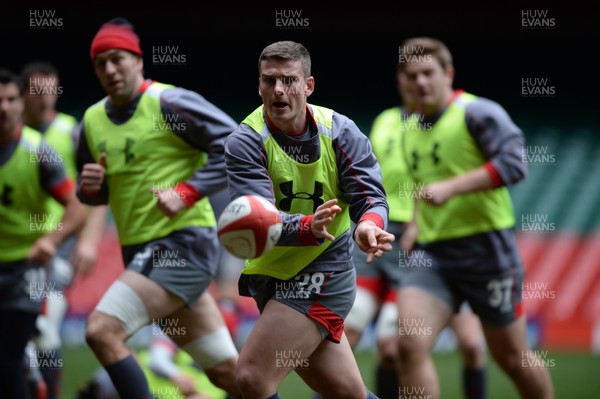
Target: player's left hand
[(42, 251), (372, 240), (168, 201), (437, 193)]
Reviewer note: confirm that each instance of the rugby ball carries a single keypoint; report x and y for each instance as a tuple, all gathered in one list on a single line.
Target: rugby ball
[(249, 226)]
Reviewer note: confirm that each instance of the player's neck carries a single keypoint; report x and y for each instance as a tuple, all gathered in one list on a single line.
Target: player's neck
[(296, 127), (437, 109), (39, 121), (124, 100), (10, 136)]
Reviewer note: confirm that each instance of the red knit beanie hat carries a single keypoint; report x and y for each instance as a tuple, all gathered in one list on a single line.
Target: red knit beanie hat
[(115, 34)]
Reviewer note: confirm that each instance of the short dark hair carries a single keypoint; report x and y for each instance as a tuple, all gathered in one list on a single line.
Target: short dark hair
[(429, 46), (287, 51), (7, 76), (41, 67)]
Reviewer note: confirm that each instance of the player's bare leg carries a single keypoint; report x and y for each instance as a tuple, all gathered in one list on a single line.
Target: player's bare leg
[(366, 306), (469, 334), (280, 329), (282, 333), (332, 371), (421, 318), (353, 336), (510, 349), (106, 335), (137, 300), (204, 339)]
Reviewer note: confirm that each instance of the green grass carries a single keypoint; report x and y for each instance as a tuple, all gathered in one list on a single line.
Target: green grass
[(574, 375)]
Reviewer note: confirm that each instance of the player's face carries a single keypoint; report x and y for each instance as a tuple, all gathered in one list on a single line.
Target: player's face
[(284, 90), (41, 94), (427, 84), (11, 108), (120, 74)]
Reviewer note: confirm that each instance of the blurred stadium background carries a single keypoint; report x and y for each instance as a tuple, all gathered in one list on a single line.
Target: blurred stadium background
[(354, 50)]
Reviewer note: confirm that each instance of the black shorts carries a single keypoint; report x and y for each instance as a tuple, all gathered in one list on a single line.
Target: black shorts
[(325, 297), (485, 270), (184, 262)]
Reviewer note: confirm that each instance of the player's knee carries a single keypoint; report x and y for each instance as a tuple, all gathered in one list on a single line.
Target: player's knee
[(249, 379), (411, 348), (509, 362), (473, 354), (101, 330), (223, 374)]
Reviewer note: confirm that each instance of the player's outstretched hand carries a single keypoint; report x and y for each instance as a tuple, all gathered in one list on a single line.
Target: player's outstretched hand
[(323, 217), (372, 240), (92, 176), (168, 201)]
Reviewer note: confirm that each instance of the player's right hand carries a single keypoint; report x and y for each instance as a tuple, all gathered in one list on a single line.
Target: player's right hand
[(372, 240), (92, 176)]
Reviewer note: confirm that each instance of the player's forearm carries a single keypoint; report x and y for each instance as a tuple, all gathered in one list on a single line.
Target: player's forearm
[(475, 180), (204, 182), (94, 224), (73, 220)]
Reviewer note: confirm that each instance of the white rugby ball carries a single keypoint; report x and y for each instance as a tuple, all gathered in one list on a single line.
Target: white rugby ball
[(249, 226)]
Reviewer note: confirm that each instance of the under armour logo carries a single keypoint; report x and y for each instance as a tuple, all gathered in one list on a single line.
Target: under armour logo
[(434, 156), (6, 195), (415, 159), (287, 189), (128, 154)]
